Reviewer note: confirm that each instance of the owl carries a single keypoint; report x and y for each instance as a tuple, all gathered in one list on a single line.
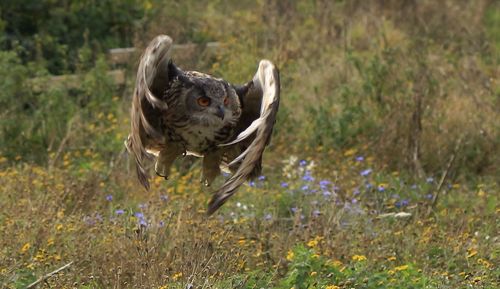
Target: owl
[(176, 113)]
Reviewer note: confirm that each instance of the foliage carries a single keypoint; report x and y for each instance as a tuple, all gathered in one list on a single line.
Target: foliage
[(341, 203)]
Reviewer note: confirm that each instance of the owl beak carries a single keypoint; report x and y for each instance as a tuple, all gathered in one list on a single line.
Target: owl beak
[(220, 112)]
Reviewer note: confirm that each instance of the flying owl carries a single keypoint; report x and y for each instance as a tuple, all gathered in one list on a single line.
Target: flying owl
[(176, 112)]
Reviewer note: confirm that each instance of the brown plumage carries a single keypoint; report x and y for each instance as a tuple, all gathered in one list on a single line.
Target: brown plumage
[(177, 112)]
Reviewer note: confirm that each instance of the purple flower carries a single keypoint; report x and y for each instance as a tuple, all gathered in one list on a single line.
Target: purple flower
[(143, 222), (109, 197), (366, 172), (164, 198), (323, 184), (360, 158), (251, 184), (429, 196), (119, 212), (294, 209), (284, 184), (354, 201), (161, 224), (368, 186), (268, 217), (305, 188), (261, 178), (381, 188), (303, 163), (308, 177), (356, 192), (327, 194), (402, 203), (139, 215)]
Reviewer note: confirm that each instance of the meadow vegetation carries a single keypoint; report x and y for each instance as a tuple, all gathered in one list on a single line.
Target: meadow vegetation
[(382, 173)]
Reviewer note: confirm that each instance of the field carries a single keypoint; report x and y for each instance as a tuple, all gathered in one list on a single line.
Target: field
[(382, 172)]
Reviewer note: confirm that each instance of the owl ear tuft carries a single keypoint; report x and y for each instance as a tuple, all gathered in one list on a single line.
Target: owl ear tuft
[(173, 71), (242, 90)]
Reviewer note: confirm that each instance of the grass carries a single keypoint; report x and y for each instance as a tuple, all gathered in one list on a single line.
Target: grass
[(341, 203), (314, 223)]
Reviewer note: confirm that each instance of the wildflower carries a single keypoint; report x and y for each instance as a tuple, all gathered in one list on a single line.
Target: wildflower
[(332, 287), (356, 192), (368, 186), (294, 210), (327, 194), (284, 184), (305, 188), (161, 224), (109, 198), (402, 203), (98, 217), (268, 217), (290, 255), (262, 178), (360, 158), (359, 258), (139, 215), (251, 184), (313, 243), (366, 172), (314, 273), (308, 177), (303, 163), (142, 222), (323, 184), (25, 248), (429, 196), (119, 212), (392, 258), (401, 268)]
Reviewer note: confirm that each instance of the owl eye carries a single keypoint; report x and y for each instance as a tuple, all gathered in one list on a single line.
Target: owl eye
[(226, 101), (203, 101)]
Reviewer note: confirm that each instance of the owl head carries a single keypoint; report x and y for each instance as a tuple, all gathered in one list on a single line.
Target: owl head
[(207, 100)]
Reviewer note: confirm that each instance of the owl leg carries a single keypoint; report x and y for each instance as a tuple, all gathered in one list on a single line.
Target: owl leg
[(166, 158), (211, 169)]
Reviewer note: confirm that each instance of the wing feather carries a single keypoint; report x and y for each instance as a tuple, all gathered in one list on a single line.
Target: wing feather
[(266, 86), (152, 80)]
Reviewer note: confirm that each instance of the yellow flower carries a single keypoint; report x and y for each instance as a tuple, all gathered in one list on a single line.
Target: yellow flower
[(472, 253), (25, 248), (313, 243), (314, 273), (59, 227), (177, 276), (332, 287), (290, 255), (392, 258), (349, 152), (358, 258), (401, 268)]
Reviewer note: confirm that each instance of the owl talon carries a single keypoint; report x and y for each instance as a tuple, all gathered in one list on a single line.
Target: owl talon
[(162, 176)]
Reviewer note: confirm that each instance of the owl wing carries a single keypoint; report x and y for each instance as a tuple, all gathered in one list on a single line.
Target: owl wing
[(147, 104), (260, 101)]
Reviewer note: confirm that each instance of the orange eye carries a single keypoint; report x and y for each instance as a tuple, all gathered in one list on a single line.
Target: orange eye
[(203, 101), (226, 101)]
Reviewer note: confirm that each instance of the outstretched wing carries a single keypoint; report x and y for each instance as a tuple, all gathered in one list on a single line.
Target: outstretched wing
[(147, 104), (259, 109)]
